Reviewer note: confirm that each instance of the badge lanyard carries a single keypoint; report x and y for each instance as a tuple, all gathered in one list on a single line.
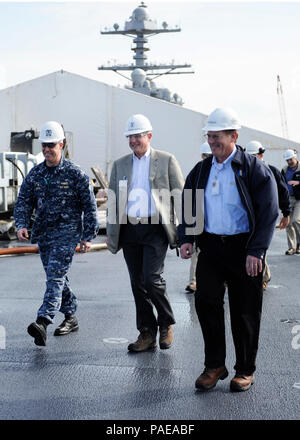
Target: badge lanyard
[(215, 183)]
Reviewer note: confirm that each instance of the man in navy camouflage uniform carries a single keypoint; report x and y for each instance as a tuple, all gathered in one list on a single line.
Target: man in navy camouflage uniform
[(66, 214)]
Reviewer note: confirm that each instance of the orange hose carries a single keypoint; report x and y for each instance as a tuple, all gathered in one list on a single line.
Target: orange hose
[(35, 249), (20, 250)]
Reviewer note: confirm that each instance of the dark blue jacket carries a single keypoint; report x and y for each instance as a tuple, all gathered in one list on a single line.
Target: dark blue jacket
[(63, 200), (258, 192)]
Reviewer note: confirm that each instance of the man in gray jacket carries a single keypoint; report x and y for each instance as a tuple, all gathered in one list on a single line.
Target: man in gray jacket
[(144, 190)]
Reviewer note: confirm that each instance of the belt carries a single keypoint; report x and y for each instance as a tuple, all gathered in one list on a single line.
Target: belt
[(227, 238), (143, 220)]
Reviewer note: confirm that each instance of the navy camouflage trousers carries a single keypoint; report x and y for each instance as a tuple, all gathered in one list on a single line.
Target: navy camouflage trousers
[(56, 256)]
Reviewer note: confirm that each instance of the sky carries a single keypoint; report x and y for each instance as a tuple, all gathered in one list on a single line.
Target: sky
[(236, 49)]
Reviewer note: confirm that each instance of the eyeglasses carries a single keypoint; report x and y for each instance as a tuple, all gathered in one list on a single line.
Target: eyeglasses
[(136, 136), (214, 137), (49, 144)]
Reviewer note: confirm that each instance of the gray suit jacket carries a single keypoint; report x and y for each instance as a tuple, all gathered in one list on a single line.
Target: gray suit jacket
[(165, 179)]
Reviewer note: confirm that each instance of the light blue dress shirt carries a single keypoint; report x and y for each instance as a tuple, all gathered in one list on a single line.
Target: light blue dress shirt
[(224, 212)]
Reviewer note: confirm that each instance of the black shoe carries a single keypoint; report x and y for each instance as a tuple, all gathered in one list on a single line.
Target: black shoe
[(69, 324), (38, 331)]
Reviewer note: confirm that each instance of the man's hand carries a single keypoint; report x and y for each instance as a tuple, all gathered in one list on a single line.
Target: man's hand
[(253, 266), (23, 234), (293, 182), (284, 222), (84, 246), (186, 250)]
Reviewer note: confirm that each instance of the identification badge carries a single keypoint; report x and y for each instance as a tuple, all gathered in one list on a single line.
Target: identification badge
[(215, 188)]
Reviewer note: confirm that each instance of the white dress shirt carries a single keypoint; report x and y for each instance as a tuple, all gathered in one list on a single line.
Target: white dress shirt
[(140, 203)]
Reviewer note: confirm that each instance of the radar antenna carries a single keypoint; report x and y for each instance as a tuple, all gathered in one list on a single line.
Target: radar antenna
[(140, 27)]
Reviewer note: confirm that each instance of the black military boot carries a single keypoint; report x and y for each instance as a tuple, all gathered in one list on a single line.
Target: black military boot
[(38, 330), (69, 324)]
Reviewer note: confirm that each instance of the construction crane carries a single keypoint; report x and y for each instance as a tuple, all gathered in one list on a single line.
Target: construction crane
[(282, 109)]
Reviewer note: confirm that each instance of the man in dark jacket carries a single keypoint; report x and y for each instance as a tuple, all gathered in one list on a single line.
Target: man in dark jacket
[(240, 211), (291, 173), (256, 149)]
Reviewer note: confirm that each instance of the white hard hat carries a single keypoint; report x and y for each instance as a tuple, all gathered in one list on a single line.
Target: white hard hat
[(137, 124), (254, 147), (205, 148), (51, 131), (289, 154), (222, 119)]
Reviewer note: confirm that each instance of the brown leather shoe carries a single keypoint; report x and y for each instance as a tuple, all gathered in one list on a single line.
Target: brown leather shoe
[(240, 382), (166, 337), (290, 251), (210, 376), (144, 342)]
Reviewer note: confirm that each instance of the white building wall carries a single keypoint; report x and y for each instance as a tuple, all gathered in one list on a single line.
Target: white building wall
[(74, 101), (96, 114)]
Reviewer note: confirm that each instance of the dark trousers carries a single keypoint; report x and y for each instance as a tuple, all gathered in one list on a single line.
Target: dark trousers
[(144, 248), (224, 260)]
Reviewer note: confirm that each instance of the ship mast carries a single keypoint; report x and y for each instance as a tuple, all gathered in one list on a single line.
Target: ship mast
[(140, 27)]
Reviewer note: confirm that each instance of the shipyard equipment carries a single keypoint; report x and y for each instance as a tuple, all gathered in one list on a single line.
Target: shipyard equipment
[(14, 166)]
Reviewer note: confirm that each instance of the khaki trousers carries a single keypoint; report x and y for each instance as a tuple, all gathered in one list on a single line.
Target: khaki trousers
[(193, 266), (266, 272), (293, 229)]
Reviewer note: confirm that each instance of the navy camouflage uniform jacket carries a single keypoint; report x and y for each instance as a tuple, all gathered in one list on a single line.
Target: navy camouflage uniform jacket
[(63, 199)]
